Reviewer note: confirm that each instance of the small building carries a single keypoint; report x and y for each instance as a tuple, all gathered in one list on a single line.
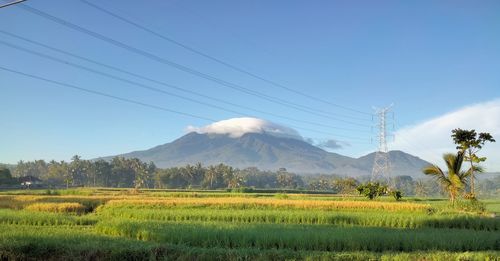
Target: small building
[(30, 181)]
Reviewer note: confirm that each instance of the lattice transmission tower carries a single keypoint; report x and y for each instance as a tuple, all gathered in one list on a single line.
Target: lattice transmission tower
[(382, 165)]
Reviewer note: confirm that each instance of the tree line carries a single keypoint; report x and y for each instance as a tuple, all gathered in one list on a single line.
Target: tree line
[(133, 173), (119, 172)]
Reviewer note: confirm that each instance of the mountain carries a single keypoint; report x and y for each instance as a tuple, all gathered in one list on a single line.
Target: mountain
[(267, 152), (401, 163)]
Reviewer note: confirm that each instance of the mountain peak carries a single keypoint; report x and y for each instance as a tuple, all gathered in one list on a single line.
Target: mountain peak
[(237, 127)]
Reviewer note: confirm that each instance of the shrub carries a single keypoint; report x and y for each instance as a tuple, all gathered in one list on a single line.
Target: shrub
[(472, 205), (52, 192), (396, 194), (371, 190)]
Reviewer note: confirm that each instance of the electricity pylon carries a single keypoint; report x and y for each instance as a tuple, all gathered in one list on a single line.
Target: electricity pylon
[(382, 165)]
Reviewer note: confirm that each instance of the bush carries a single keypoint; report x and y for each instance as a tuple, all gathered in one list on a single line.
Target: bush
[(52, 192), (470, 196), (371, 190), (6, 177), (472, 205), (396, 194)]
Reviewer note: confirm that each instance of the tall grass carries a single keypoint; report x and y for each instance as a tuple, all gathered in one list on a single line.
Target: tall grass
[(67, 243), (302, 237), (300, 216), (73, 208), (21, 201), (273, 203), (63, 243), (21, 217), (173, 225)]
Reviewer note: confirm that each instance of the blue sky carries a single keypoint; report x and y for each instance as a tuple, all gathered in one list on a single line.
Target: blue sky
[(429, 58)]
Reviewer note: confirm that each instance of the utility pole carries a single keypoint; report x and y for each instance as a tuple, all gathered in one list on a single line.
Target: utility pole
[(382, 164), (12, 3)]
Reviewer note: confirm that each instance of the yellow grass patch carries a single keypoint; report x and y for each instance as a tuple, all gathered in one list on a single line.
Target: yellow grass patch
[(271, 202), (21, 201), (73, 207)]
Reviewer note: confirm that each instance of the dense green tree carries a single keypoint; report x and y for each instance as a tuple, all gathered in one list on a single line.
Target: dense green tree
[(58, 173), (372, 190), (6, 177), (345, 185), (122, 172), (470, 143), (254, 177), (173, 178), (78, 170), (37, 168), (101, 172)]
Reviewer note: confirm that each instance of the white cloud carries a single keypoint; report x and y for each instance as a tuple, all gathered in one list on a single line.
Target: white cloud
[(236, 127), (430, 139), (333, 144)]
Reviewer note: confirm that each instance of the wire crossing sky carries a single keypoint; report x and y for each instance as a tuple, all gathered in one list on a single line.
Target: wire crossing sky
[(316, 67)]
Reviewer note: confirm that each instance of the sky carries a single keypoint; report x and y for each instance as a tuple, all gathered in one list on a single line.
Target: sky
[(332, 62)]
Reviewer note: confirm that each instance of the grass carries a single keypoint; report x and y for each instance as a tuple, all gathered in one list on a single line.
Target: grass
[(114, 224), (302, 237), (270, 203), (21, 217), (492, 206), (301, 216), (71, 207), (56, 243)]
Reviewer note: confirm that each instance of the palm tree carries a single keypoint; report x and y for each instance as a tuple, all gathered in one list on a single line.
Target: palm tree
[(454, 180)]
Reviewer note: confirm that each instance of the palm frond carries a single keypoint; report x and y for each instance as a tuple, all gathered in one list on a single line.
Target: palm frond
[(464, 175), (450, 160), (432, 170), (476, 169), (455, 181), (459, 159), (437, 173)]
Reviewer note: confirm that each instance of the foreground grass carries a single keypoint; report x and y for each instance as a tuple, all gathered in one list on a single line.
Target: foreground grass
[(102, 224), (302, 237), (58, 243)]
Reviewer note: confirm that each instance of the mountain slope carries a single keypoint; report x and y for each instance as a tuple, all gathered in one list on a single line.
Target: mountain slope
[(267, 152), (251, 149), (401, 163)]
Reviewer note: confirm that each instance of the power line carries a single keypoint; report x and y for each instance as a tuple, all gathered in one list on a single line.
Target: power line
[(217, 60), (112, 76), (65, 62), (12, 3), (182, 67), (67, 85)]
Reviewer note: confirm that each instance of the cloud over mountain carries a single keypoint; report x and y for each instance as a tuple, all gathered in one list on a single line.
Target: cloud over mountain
[(237, 127), (432, 138), (333, 144)]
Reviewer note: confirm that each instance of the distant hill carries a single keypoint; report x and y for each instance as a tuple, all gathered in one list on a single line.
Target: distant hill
[(401, 164), (268, 152)]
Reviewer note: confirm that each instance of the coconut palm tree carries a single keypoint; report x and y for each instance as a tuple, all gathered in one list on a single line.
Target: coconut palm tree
[(454, 180)]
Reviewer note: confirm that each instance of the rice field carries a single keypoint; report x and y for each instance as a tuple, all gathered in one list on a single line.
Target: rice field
[(110, 224)]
